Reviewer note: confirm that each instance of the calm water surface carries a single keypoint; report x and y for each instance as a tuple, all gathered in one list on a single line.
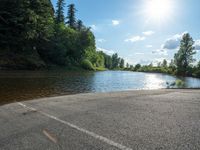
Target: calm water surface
[(21, 85)]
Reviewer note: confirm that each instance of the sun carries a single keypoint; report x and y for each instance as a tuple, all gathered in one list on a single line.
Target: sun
[(158, 10)]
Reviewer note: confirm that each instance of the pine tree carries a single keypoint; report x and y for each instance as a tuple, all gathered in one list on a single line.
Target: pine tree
[(121, 63), (71, 18), (184, 57), (79, 25), (60, 18)]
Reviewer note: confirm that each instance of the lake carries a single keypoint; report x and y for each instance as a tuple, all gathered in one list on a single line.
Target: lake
[(25, 85)]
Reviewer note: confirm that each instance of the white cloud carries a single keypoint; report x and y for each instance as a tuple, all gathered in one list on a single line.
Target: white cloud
[(160, 52), (115, 22), (101, 40), (197, 45), (94, 27), (149, 46), (135, 39), (148, 33), (173, 42), (139, 53), (109, 52)]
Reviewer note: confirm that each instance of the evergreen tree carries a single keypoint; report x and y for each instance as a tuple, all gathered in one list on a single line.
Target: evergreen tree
[(184, 57), (60, 18), (121, 63), (79, 25), (115, 61), (26, 25), (71, 18)]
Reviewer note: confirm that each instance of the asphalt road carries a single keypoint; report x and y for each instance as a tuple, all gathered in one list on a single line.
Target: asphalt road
[(133, 120)]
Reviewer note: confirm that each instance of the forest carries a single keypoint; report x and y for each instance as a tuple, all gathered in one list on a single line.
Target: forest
[(35, 36)]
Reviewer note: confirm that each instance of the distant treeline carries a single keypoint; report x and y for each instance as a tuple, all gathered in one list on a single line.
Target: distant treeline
[(33, 35), (183, 63)]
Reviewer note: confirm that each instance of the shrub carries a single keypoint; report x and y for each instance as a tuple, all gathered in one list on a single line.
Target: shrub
[(180, 83), (86, 64)]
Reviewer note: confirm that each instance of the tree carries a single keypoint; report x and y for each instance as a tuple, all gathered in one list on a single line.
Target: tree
[(71, 16), (184, 57), (164, 64), (60, 18), (159, 64), (108, 61), (137, 67), (131, 67), (26, 26), (127, 65), (115, 61), (121, 63), (150, 65), (79, 25), (171, 64)]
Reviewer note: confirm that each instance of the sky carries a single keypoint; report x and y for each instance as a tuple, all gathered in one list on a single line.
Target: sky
[(140, 31)]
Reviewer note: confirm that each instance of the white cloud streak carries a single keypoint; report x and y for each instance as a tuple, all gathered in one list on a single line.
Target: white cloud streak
[(148, 33), (135, 39), (115, 22), (109, 52)]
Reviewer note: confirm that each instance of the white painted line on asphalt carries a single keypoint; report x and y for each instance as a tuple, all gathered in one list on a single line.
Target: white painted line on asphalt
[(92, 134)]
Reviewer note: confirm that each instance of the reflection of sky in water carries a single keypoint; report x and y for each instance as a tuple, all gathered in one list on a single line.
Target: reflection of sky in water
[(29, 85)]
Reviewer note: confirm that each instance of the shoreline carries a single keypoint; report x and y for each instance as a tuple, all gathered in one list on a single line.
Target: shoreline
[(132, 91)]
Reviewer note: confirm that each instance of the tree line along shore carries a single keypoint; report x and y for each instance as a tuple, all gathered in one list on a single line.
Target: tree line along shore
[(35, 36)]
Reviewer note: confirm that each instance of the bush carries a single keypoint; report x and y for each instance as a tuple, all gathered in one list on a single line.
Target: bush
[(86, 64), (180, 83)]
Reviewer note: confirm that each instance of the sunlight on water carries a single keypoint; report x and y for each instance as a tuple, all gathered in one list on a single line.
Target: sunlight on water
[(153, 81), (21, 85)]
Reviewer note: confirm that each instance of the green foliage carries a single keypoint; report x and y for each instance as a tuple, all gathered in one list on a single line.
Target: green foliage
[(71, 16), (180, 83), (115, 61), (108, 61), (80, 25), (137, 67), (86, 64), (184, 57), (60, 18), (164, 64), (121, 65), (26, 25), (181, 65)]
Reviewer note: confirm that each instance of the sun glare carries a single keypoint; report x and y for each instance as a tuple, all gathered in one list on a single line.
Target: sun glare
[(158, 10)]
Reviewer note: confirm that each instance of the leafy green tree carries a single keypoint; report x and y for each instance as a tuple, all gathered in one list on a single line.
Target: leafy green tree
[(184, 57), (71, 18), (60, 18), (137, 67), (121, 63), (31, 36), (26, 26)]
